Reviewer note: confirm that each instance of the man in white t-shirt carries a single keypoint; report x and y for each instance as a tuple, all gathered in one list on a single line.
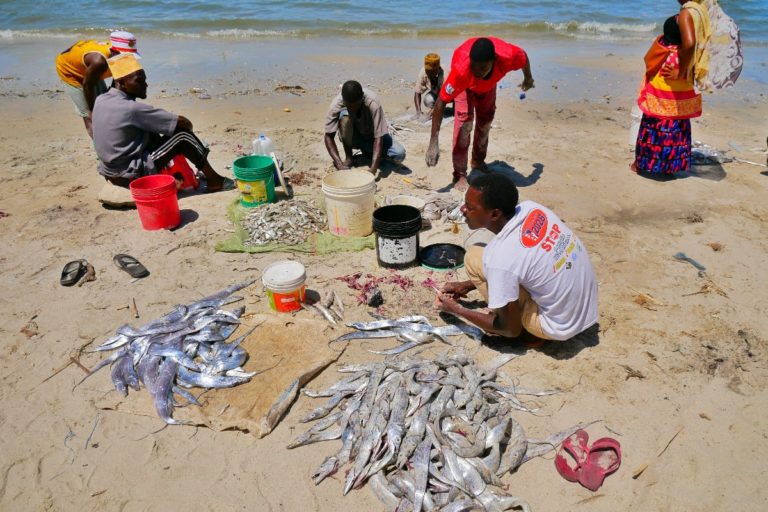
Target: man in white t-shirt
[(535, 274)]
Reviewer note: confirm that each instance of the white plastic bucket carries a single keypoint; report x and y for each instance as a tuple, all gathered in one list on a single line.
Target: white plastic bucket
[(416, 202), (349, 202), (284, 283)]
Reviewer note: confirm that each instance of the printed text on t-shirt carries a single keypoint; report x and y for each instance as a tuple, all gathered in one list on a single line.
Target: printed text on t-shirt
[(534, 228)]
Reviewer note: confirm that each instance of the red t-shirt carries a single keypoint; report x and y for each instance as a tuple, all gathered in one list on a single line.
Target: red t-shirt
[(508, 58)]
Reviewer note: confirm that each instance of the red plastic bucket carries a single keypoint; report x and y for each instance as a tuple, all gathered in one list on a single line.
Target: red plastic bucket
[(178, 167), (156, 202)]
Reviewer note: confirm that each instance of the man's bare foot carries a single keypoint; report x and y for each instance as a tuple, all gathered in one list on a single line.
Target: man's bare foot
[(461, 184), (633, 167)]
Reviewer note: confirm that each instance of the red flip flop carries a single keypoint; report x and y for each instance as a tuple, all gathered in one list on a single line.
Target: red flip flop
[(577, 447), (604, 458)]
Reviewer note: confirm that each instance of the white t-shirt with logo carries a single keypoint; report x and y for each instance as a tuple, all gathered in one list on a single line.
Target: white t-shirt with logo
[(537, 251)]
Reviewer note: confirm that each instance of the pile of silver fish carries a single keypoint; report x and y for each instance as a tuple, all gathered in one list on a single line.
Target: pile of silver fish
[(285, 222), (186, 348), (412, 331), (435, 434)]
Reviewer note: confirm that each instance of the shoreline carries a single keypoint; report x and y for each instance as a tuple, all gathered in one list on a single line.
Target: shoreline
[(583, 69)]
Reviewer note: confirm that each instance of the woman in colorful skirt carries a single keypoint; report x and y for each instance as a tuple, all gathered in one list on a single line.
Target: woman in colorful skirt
[(668, 100), (700, 50)]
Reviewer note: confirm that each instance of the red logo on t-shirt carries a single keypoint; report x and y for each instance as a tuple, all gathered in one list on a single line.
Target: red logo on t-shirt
[(534, 228)]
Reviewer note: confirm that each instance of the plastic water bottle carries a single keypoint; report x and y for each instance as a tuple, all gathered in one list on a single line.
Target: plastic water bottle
[(263, 145)]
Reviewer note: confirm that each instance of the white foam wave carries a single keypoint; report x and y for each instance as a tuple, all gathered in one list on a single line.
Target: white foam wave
[(37, 34), (596, 27), (239, 33)]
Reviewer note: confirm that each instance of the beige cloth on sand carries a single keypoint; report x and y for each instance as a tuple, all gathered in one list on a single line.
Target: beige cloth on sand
[(116, 197)]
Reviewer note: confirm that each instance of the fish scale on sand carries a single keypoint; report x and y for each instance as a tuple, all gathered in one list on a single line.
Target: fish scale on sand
[(186, 347), (427, 434)]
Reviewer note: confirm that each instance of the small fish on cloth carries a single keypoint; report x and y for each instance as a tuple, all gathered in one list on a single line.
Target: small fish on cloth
[(285, 222)]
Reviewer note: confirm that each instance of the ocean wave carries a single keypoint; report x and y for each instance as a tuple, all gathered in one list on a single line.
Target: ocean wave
[(8, 34), (247, 33), (603, 28)]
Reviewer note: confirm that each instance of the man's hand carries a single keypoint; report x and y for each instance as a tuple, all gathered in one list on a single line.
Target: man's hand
[(184, 124), (457, 289), (446, 303), (527, 83), (343, 165), (671, 73), (433, 153)]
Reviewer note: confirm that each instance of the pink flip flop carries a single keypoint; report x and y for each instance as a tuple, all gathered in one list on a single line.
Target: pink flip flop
[(577, 447), (604, 458)]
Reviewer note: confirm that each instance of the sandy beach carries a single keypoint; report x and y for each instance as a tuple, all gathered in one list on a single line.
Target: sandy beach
[(678, 370)]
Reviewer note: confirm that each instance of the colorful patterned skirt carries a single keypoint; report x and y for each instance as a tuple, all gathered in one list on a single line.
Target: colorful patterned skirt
[(663, 145)]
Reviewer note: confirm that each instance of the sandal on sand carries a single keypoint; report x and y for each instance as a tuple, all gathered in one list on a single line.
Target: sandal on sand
[(593, 463), (72, 272), (577, 447), (603, 459), (130, 265)]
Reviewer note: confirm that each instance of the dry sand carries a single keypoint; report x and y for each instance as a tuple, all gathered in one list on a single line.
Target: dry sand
[(676, 353)]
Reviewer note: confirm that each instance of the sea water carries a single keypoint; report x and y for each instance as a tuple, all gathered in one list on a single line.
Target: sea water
[(582, 19)]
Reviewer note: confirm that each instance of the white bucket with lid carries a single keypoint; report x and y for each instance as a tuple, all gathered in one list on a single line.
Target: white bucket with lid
[(349, 202), (284, 284)]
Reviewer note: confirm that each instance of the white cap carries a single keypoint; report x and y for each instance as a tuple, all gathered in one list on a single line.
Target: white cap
[(123, 42)]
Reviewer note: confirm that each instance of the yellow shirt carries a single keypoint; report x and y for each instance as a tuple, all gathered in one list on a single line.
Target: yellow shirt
[(70, 64)]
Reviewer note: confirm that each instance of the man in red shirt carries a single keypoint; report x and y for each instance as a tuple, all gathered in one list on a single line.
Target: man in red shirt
[(477, 66)]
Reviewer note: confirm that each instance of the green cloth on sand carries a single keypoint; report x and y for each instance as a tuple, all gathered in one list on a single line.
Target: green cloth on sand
[(316, 243)]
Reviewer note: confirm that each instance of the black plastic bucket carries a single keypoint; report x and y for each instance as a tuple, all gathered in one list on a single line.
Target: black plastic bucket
[(397, 235)]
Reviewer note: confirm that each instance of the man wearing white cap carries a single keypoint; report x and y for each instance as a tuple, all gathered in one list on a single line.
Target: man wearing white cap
[(83, 67)]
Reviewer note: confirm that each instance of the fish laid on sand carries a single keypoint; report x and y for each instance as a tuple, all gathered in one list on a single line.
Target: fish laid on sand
[(331, 308), (427, 434), (411, 331)]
